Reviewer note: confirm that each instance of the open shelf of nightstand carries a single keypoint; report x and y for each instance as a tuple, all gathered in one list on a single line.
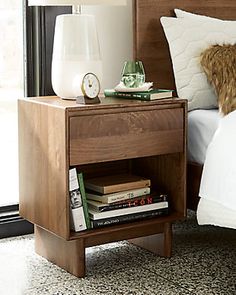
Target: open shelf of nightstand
[(131, 229)]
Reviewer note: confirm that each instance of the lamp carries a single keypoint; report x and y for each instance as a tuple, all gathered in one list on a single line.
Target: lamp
[(76, 49)]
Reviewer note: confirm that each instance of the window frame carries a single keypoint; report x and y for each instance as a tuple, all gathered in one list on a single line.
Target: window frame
[(39, 33), (38, 26)]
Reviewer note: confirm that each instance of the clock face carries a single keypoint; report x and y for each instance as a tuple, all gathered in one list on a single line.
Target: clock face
[(90, 85)]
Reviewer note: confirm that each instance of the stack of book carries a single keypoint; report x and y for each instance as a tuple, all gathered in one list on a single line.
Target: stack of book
[(152, 94), (122, 198)]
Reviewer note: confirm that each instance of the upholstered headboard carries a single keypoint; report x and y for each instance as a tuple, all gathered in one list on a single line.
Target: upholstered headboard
[(150, 44)]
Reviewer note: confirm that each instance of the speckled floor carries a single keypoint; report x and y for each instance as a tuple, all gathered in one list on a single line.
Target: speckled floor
[(203, 262)]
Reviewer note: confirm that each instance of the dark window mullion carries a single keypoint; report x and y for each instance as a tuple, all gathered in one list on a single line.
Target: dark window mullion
[(40, 24)]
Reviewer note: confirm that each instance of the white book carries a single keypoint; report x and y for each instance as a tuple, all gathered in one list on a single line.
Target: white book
[(120, 196), (124, 211), (78, 221), (73, 180)]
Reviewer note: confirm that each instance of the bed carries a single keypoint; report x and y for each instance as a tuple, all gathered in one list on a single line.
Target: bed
[(151, 46)]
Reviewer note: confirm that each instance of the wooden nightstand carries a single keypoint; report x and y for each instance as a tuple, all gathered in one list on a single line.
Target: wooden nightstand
[(116, 136)]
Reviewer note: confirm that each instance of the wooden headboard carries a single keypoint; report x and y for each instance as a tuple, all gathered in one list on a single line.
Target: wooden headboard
[(150, 45)]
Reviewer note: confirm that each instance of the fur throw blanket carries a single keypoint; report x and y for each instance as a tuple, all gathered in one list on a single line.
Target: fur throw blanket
[(219, 64)]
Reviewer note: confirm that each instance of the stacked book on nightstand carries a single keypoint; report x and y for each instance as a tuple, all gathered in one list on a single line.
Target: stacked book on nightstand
[(122, 198), (145, 92), (152, 94)]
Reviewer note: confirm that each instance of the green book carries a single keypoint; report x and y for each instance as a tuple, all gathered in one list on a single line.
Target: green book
[(84, 200), (143, 95)]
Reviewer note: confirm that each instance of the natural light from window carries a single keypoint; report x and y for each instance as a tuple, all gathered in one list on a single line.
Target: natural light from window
[(11, 88)]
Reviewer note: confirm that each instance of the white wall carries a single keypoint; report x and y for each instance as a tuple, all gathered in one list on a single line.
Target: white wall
[(114, 24)]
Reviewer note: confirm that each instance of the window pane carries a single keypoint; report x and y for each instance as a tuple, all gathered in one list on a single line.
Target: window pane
[(11, 87)]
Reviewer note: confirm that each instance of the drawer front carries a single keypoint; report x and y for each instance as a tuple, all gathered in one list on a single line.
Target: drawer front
[(108, 137)]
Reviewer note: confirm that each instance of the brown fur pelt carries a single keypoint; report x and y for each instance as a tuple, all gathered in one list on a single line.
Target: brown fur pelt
[(219, 64)]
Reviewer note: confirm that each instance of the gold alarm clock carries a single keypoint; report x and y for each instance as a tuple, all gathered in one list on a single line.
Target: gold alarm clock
[(90, 87)]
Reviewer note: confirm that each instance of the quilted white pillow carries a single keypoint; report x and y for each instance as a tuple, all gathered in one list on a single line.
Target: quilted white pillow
[(181, 13), (187, 39)]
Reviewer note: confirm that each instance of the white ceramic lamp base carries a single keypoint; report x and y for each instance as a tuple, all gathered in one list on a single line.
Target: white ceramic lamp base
[(76, 52)]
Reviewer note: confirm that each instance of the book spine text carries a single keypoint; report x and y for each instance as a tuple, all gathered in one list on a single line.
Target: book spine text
[(140, 201), (140, 96), (84, 200), (128, 218), (79, 210)]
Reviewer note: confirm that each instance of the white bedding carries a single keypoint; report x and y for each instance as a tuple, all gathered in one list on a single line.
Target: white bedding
[(187, 39), (210, 212), (218, 183), (202, 125), (217, 205)]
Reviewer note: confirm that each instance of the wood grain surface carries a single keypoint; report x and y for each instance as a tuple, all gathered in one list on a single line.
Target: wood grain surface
[(150, 45), (124, 135), (43, 164), (146, 139)]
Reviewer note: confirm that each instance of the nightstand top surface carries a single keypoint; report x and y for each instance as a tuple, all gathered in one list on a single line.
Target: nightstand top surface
[(105, 102)]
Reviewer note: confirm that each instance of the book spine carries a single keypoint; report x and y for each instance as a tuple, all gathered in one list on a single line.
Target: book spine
[(78, 222), (84, 200), (131, 95), (127, 196), (114, 188), (148, 199), (128, 218), (126, 211), (122, 196)]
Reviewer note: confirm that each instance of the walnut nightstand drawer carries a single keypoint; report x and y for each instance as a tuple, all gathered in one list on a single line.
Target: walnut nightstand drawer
[(124, 135)]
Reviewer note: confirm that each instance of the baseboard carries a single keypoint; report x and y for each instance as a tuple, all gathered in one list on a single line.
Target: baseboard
[(12, 224)]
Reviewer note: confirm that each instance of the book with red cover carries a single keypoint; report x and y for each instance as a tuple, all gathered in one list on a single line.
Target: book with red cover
[(138, 201)]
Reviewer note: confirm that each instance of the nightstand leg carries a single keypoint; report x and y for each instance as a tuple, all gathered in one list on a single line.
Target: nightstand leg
[(167, 240), (160, 243), (69, 255)]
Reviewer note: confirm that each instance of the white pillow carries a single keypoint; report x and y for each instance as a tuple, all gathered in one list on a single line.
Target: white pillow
[(187, 39), (184, 14)]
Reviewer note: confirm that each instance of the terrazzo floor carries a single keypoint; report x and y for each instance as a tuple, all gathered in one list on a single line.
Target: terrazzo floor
[(203, 262)]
